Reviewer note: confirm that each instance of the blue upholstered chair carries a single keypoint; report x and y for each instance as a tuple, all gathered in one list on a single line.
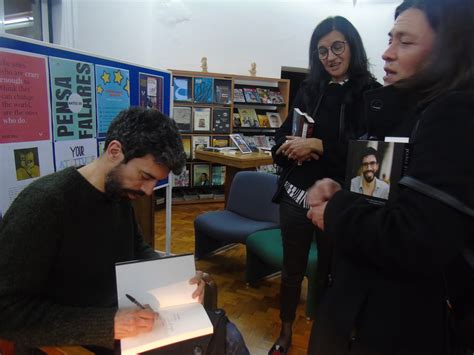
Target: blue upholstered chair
[(249, 209)]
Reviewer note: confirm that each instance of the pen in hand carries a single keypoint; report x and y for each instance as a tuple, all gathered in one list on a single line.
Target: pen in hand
[(133, 300)]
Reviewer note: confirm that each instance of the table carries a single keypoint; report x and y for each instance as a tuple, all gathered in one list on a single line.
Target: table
[(234, 162)]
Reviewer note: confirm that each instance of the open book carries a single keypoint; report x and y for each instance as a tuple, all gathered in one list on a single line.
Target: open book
[(164, 285)]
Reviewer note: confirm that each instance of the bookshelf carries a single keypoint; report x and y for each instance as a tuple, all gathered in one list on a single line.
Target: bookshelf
[(203, 108)]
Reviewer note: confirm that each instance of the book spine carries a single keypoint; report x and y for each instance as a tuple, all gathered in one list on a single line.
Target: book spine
[(309, 133), (304, 130)]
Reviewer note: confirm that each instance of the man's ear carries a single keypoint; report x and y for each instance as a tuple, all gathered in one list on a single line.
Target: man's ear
[(114, 151)]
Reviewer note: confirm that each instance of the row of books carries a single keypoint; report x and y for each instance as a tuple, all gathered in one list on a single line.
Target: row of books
[(202, 119), (202, 90), (248, 117), (252, 95), (200, 175), (196, 193), (191, 143)]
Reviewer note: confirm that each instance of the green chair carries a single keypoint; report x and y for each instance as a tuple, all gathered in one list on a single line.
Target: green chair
[(265, 257)]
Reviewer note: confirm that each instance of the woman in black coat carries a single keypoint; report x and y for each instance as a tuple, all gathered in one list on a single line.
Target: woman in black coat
[(399, 272), (332, 96)]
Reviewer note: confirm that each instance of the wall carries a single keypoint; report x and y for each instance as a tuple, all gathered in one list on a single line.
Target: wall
[(175, 34)]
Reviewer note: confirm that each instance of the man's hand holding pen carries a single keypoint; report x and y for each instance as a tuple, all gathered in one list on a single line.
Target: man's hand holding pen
[(129, 322)]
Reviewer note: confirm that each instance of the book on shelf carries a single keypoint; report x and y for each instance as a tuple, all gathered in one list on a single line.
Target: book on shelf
[(218, 175), (274, 119), (236, 120), (203, 90), (261, 141), (222, 91), (205, 194), (202, 119), (263, 121), (219, 149), (182, 88), (248, 117), (182, 180), (251, 96), (375, 167), (187, 146), (240, 143), (199, 142), (264, 95), (164, 285), (201, 175), (251, 143), (182, 115), (221, 120), (302, 124), (276, 97), (220, 141), (239, 95), (177, 195)]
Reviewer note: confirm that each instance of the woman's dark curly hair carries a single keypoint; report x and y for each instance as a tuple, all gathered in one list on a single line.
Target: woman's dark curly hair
[(146, 131)]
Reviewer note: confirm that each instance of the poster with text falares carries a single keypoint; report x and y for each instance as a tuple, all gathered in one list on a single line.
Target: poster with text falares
[(72, 99)]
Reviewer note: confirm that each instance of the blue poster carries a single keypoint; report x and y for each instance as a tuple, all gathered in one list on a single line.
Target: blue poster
[(113, 95)]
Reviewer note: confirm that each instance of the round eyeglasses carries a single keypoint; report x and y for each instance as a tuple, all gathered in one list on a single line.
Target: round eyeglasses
[(337, 47)]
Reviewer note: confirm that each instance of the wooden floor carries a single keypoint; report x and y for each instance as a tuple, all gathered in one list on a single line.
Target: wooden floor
[(255, 310)]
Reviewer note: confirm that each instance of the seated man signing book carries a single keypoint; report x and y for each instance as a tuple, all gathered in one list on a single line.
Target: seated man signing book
[(62, 236), (367, 183)]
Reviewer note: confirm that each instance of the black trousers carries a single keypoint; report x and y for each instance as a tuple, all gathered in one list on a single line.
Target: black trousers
[(297, 234)]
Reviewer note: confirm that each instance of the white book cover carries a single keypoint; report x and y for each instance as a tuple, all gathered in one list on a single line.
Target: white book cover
[(164, 285)]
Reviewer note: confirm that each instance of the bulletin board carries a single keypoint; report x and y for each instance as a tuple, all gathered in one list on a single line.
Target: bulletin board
[(56, 105)]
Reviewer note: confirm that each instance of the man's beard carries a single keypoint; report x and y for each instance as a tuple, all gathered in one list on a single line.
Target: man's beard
[(367, 177), (114, 188)]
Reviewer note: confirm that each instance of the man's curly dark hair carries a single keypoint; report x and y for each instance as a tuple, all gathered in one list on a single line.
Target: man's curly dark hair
[(145, 131)]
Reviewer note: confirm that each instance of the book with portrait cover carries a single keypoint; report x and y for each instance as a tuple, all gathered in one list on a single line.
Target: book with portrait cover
[(251, 96), (375, 167), (275, 119), (201, 175), (302, 124), (203, 90), (167, 290), (222, 91), (202, 119), (221, 120), (182, 115)]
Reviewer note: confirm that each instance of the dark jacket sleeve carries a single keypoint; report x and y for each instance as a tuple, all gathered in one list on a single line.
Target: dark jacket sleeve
[(29, 241), (142, 250), (417, 234)]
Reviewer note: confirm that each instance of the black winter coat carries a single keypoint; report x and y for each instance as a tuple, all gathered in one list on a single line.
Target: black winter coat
[(339, 117), (388, 294)]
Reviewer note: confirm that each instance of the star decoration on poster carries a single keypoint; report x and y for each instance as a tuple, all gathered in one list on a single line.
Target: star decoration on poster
[(127, 87), (100, 90), (105, 77), (118, 77)]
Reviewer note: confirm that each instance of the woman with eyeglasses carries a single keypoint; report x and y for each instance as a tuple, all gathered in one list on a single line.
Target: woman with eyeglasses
[(332, 96), (403, 273)]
